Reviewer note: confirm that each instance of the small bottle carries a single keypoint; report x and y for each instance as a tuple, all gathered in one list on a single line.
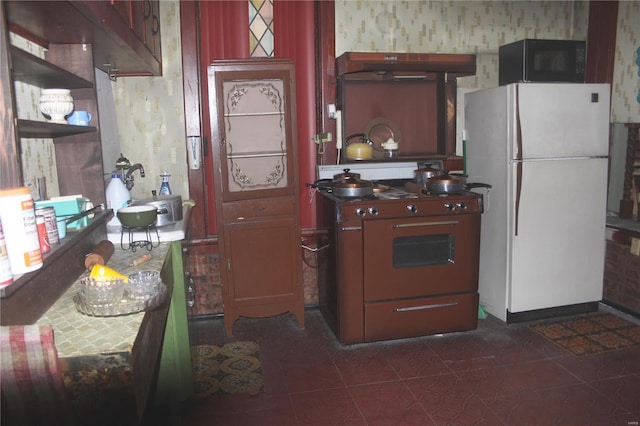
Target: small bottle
[(390, 148), (164, 187), (117, 196)]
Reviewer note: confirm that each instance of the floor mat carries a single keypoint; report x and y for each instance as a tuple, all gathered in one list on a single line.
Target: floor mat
[(233, 368), (591, 334)]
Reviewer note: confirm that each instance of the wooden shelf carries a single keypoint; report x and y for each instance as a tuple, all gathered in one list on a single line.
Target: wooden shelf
[(31, 294), (41, 129), (30, 69)]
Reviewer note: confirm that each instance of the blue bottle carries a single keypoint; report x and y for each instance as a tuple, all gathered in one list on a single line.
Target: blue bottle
[(164, 187)]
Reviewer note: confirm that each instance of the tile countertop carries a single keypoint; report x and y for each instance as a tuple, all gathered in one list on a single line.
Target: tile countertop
[(82, 337), (77, 334), (630, 225)]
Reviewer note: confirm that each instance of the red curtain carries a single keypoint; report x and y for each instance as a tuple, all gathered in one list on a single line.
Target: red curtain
[(294, 33), (224, 34)]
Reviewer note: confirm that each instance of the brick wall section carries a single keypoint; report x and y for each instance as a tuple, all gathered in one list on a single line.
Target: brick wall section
[(622, 277), (203, 262)]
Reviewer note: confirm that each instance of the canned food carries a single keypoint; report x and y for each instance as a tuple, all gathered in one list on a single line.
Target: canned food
[(42, 234), (49, 214)]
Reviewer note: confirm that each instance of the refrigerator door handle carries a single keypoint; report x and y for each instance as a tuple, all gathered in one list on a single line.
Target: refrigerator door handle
[(518, 193), (518, 154), (518, 158)]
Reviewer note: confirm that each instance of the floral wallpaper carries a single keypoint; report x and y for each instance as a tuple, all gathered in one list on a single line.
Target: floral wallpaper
[(625, 97), (149, 112), (149, 115), (480, 27)]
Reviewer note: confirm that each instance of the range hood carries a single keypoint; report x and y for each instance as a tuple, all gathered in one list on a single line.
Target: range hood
[(457, 65)]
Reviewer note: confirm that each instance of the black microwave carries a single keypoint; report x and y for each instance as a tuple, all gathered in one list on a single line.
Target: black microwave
[(533, 60)]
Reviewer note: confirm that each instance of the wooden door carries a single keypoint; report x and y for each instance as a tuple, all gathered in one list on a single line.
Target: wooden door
[(253, 128)]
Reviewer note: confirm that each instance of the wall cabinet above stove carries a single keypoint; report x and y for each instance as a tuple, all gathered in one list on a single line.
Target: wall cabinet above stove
[(456, 64), (409, 97)]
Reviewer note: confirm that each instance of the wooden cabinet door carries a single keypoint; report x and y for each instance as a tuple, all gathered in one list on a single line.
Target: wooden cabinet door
[(261, 263), (255, 184)]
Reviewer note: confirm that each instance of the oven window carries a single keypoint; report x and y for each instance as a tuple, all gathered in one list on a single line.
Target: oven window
[(423, 250)]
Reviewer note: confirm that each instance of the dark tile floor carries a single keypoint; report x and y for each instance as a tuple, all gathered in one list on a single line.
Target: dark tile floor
[(496, 375)]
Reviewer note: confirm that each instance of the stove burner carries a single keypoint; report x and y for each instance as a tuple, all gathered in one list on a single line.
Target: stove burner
[(134, 244)]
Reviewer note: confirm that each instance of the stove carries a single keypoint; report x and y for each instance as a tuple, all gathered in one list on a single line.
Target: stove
[(398, 202), (403, 264)]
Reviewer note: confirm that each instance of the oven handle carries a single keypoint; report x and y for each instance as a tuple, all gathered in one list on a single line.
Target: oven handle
[(411, 225), (422, 307), (351, 228)]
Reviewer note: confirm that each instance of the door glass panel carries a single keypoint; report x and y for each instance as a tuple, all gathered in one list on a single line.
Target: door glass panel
[(255, 134), (423, 250)]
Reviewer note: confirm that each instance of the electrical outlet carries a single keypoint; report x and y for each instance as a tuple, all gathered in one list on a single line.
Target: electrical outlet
[(321, 138)]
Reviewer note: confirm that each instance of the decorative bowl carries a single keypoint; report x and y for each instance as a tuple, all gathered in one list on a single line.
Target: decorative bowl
[(137, 216), (101, 291), (143, 284), (56, 103)]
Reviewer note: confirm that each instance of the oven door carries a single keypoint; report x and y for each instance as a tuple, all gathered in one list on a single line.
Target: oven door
[(421, 256)]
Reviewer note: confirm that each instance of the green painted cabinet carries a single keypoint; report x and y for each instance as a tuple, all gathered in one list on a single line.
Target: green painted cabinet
[(175, 376)]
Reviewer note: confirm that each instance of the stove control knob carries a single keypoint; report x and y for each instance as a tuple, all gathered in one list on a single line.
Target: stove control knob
[(373, 211), (412, 208), (361, 212), (461, 205), (449, 206)]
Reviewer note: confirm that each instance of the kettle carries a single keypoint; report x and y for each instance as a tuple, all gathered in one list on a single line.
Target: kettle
[(362, 150)]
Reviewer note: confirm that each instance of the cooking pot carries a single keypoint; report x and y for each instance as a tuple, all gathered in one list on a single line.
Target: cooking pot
[(352, 186), (360, 150), (349, 186), (425, 173), (451, 184), (169, 208), (137, 216)]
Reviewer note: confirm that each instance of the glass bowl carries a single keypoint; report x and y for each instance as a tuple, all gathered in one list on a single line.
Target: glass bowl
[(101, 291), (143, 284)]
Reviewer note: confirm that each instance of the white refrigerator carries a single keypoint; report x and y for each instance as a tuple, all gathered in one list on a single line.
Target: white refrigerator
[(543, 147)]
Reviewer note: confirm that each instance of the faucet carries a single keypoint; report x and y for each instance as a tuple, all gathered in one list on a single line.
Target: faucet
[(128, 178)]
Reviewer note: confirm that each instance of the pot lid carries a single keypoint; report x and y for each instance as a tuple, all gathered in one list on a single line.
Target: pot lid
[(448, 179), (345, 174), (352, 182)]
